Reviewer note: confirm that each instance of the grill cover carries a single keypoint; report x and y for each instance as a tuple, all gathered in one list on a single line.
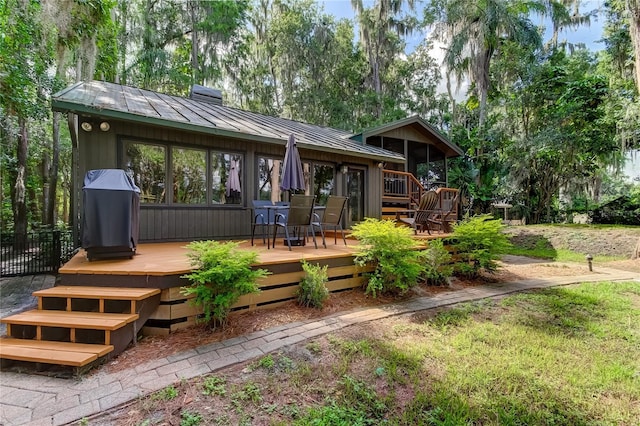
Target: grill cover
[(111, 207)]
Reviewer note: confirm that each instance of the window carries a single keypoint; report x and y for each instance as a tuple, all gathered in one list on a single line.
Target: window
[(323, 182), (196, 176), (189, 168), (226, 178), (146, 164), (270, 175)]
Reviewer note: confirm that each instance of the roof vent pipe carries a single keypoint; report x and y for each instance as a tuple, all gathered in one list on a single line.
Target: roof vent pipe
[(206, 94)]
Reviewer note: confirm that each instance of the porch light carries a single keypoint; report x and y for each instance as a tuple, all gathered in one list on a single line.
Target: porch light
[(381, 165), (86, 126), (104, 126), (344, 169)]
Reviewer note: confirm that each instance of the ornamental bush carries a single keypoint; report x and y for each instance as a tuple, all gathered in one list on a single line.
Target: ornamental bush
[(221, 274), (478, 242), (394, 253), (313, 290), (438, 263)]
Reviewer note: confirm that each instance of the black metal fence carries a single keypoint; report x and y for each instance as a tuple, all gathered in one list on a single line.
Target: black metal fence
[(40, 252)]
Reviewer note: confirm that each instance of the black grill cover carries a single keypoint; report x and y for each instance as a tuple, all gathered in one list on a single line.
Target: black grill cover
[(110, 223)]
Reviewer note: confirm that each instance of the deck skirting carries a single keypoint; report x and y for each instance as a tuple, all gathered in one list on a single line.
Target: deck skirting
[(177, 311)]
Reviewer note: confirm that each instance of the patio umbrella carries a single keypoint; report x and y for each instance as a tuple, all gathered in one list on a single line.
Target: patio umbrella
[(292, 173)]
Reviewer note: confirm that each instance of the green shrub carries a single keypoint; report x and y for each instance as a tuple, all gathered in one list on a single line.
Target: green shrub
[(393, 251), (313, 290), (478, 242), (222, 274), (438, 263)]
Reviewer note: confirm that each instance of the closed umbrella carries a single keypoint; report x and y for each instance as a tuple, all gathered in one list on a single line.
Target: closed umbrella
[(233, 181), (292, 173)]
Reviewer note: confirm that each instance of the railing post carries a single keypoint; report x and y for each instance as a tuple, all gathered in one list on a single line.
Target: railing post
[(56, 251)]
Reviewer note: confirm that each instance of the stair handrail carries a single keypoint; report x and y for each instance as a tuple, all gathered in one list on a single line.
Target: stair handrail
[(402, 184)]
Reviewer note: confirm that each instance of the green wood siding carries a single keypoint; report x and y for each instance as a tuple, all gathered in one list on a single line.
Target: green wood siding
[(99, 150)]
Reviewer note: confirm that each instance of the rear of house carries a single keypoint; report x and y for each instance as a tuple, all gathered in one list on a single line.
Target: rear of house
[(199, 164)]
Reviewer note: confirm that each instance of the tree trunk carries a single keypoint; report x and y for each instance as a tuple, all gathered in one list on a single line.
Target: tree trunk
[(50, 217), (195, 72), (20, 188), (633, 8)]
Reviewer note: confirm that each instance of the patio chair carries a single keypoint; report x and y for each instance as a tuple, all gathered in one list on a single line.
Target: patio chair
[(447, 215), (332, 217), (426, 209), (300, 215), (261, 217)]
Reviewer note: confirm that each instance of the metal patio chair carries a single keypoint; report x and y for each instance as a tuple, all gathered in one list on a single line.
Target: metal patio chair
[(261, 217), (332, 217), (300, 215)]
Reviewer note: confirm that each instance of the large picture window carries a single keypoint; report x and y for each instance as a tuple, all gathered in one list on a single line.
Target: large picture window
[(189, 171), (270, 175), (194, 176), (226, 178), (147, 165), (323, 182)]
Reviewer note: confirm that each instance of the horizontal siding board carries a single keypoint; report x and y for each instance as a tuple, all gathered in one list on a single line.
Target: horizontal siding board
[(346, 283)]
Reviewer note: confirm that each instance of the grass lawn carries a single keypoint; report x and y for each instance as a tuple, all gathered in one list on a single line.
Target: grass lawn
[(561, 356)]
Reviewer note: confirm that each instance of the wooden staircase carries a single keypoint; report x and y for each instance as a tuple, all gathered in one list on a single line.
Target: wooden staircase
[(76, 326)]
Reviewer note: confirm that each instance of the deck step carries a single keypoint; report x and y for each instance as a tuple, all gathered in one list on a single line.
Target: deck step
[(106, 293), (66, 319), (63, 353), (97, 299)]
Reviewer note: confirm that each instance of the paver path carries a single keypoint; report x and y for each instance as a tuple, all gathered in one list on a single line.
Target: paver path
[(39, 400)]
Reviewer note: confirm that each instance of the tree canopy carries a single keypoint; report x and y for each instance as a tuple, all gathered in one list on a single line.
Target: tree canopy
[(544, 123)]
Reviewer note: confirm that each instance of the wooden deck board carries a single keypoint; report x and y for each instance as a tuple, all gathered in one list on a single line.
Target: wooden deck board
[(83, 320), (47, 356), (99, 350), (106, 293)]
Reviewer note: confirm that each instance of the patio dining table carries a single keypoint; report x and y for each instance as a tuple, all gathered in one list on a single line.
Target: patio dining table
[(272, 211)]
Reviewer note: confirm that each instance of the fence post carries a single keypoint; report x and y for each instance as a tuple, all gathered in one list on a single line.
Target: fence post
[(57, 249)]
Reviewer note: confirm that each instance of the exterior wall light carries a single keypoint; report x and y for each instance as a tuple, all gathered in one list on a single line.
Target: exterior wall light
[(86, 126), (344, 169), (104, 126)]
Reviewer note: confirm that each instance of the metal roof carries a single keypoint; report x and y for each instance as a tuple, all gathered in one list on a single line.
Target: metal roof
[(110, 100)]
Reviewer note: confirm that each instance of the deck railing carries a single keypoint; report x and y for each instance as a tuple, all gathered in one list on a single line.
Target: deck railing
[(401, 185), (40, 252)]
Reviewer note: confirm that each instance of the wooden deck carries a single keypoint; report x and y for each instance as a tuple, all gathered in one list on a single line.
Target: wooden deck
[(161, 259), (162, 265)]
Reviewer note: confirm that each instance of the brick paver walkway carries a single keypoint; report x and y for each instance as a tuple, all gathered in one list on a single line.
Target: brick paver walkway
[(39, 400)]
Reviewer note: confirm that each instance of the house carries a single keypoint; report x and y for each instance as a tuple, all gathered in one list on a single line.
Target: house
[(181, 153), (198, 165)]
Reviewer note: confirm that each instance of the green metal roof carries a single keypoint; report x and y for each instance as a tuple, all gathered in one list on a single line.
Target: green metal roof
[(109, 100)]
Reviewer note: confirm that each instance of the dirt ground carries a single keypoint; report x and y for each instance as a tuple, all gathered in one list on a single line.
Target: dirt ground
[(610, 241)]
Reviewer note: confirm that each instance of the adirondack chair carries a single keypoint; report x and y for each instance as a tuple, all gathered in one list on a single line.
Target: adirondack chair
[(448, 214), (426, 208)]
